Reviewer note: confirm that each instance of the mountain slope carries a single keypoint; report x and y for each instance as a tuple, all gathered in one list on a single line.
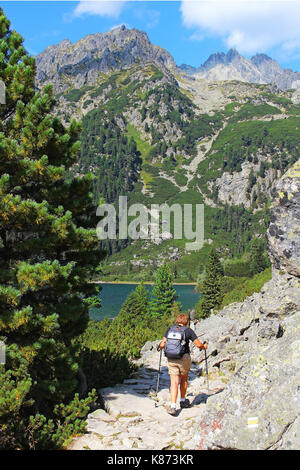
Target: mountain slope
[(158, 135)]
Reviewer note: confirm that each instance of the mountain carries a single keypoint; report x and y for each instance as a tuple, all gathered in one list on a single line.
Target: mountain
[(233, 66), (80, 63), (157, 134)]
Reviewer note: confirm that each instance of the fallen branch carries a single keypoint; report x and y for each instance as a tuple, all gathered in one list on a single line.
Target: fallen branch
[(216, 364)]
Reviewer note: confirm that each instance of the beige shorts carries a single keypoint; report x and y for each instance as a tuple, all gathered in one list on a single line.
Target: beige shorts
[(180, 366)]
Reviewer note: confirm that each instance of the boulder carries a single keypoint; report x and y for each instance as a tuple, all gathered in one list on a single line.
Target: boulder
[(284, 230), (259, 409)]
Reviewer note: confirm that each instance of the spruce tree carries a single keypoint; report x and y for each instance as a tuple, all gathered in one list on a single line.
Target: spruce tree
[(48, 252), (163, 293), (211, 287), (135, 309)]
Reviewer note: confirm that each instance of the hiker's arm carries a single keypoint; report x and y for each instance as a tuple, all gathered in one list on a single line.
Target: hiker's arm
[(162, 343), (200, 345)]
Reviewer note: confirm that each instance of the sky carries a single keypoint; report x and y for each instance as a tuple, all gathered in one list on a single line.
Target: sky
[(190, 30)]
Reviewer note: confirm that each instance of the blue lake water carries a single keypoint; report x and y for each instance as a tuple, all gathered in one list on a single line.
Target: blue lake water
[(113, 296)]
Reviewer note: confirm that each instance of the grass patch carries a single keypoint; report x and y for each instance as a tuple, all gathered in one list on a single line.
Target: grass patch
[(143, 146), (249, 110)]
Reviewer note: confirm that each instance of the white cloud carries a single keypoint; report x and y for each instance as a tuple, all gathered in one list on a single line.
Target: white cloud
[(100, 8), (248, 25)]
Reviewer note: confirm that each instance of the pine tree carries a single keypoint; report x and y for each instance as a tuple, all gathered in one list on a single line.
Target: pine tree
[(163, 293), (136, 307), (48, 253), (211, 288)]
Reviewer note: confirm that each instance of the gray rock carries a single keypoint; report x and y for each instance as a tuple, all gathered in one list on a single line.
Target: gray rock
[(284, 231), (101, 415), (269, 373)]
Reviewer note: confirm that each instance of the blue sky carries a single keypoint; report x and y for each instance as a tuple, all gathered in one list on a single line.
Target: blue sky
[(189, 30)]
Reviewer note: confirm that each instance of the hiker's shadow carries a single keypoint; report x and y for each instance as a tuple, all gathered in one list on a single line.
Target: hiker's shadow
[(202, 397)]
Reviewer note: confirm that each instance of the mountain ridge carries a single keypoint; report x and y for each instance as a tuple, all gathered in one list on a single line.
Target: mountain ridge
[(122, 47), (233, 66)]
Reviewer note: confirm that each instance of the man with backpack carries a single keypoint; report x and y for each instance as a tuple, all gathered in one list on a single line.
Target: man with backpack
[(176, 346)]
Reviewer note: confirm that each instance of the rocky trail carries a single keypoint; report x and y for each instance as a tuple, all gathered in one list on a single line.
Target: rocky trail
[(135, 418), (253, 361)]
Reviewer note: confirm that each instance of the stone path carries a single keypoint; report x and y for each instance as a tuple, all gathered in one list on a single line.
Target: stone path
[(135, 418)]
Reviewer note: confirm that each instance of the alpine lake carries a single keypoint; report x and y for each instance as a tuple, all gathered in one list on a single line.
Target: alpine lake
[(113, 296)]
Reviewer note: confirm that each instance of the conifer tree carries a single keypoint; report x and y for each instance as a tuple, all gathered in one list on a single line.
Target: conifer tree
[(48, 252), (136, 307), (163, 293), (211, 288)]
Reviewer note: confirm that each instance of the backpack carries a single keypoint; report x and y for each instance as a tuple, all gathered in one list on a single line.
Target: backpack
[(175, 345)]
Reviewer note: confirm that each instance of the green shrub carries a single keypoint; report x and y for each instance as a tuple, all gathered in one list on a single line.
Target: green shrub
[(180, 178), (237, 268), (77, 93), (87, 103), (239, 289)]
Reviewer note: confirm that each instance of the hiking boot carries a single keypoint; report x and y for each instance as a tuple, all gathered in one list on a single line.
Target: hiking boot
[(185, 404), (171, 410)]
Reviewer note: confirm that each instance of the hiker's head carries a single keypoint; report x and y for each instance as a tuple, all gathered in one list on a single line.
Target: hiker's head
[(182, 319)]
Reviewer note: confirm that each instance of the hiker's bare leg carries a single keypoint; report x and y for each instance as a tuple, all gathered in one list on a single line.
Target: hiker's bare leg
[(174, 387), (183, 385)]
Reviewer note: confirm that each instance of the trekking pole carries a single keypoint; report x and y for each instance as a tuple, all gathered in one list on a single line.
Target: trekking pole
[(206, 366), (158, 375)]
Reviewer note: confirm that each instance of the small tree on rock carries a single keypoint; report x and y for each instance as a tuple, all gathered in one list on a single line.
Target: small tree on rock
[(211, 286), (163, 293)]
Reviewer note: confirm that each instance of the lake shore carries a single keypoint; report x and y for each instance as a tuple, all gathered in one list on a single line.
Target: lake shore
[(145, 282)]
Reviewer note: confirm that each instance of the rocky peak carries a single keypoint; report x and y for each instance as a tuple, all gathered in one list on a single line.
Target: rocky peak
[(258, 59), (232, 55), (81, 62), (221, 58), (214, 59), (187, 68)]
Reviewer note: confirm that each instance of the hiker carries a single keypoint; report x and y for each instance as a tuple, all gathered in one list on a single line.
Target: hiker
[(176, 345)]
